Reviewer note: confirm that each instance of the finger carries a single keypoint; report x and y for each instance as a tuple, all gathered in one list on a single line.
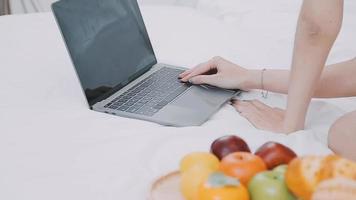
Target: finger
[(185, 73), (249, 112), (200, 69), (235, 101), (279, 111), (204, 79), (253, 119), (238, 105), (245, 106), (260, 105)]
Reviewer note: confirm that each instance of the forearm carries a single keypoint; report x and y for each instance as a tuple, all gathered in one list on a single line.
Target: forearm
[(274, 80), (318, 26), (337, 80)]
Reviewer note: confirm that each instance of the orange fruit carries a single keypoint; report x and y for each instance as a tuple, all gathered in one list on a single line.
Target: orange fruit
[(195, 168), (191, 180), (242, 165), (303, 175), (221, 187)]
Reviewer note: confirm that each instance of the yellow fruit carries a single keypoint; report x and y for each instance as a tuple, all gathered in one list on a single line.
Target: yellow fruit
[(191, 180), (201, 159), (303, 175)]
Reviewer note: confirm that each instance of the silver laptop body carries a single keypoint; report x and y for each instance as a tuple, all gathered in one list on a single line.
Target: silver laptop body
[(115, 63)]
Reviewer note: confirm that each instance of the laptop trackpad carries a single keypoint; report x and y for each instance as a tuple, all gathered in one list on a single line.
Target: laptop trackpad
[(203, 99), (195, 106)]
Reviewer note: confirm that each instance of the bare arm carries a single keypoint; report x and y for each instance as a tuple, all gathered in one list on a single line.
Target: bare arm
[(318, 26), (337, 80)]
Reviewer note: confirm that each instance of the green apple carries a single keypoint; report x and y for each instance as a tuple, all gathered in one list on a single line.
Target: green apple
[(270, 185), (281, 168)]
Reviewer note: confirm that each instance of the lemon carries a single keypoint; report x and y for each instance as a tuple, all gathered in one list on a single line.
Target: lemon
[(199, 159), (191, 180)]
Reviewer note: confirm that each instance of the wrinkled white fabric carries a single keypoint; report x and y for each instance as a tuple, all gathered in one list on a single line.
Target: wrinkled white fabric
[(53, 147)]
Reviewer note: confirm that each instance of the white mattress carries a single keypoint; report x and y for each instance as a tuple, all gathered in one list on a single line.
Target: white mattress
[(53, 147)]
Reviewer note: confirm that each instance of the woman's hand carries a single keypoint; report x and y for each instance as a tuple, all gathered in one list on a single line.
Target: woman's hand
[(221, 73), (261, 116)]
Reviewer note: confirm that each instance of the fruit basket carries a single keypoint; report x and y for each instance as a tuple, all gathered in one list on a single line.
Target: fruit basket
[(167, 187), (231, 171)]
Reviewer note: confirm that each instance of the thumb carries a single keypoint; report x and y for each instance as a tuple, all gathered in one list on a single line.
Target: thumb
[(204, 79)]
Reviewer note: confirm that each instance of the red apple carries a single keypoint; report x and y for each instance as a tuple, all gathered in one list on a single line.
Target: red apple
[(275, 154), (225, 145)]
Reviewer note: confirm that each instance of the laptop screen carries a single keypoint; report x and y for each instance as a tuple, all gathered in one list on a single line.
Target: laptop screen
[(107, 41)]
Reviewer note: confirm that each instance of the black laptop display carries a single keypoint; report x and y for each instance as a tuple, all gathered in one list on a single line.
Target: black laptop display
[(108, 43)]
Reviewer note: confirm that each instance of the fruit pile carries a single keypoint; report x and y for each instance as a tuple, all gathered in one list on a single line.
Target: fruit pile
[(273, 172)]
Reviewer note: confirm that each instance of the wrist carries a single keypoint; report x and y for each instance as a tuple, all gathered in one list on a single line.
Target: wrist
[(253, 79)]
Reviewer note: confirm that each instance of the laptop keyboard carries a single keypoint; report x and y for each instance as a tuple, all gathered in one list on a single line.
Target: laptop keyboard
[(151, 94)]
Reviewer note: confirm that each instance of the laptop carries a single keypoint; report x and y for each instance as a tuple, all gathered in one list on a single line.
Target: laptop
[(118, 70)]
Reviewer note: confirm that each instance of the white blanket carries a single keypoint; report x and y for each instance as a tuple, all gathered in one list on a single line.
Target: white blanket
[(53, 147)]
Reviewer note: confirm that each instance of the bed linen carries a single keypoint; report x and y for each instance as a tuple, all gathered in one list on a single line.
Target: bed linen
[(53, 147), (31, 6)]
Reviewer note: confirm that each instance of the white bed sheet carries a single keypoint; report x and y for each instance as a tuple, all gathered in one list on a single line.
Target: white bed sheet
[(53, 147), (31, 6)]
